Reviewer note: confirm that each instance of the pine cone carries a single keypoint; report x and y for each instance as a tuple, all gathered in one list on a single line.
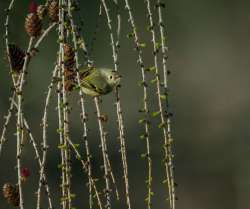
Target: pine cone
[(16, 57), (69, 85), (33, 25), (53, 11), (69, 76), (41, 11), (11, 194), (69, 64), (69, 56)]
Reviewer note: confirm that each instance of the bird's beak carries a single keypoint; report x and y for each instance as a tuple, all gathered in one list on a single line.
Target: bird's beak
[(117, 76)]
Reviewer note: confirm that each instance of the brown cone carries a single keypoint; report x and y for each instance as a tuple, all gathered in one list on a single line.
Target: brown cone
[(11, 194), (33, 25), (68, 50), (69, 56), (69, 85), (41, 11), (16, 57), (69, 76), (53, 11)]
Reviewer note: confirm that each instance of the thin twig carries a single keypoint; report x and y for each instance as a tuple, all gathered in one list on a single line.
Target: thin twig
[(112, 176), (7, 120), (95, 33), (60, 131), (104, 153), (45, 33), (7, 32), (78, 30)]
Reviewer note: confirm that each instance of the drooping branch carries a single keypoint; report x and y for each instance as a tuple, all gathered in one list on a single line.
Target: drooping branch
[(65, 104), (82, 101), (63, 127), (60, 131), (167, 124), (104, 154), (85, 169), (37, 156), (6, 123), (120, 119), (45, 126), (145, 120), (158, 93), (19, 124)]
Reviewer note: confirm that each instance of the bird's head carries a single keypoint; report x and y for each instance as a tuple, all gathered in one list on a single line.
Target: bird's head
[(113, 78)]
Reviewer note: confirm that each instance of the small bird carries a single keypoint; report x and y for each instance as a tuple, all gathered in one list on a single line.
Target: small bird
[(98, 81)]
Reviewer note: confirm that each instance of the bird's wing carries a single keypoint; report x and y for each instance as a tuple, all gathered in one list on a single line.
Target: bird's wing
[(93, 80), (85, 71)]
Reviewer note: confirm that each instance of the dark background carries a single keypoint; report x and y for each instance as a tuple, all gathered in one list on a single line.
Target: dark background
[(209, 50)]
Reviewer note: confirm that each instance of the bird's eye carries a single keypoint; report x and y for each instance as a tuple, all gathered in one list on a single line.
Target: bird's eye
[(110, 77)]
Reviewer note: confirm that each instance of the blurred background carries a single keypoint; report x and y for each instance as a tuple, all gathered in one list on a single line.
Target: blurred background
[(209, 50)]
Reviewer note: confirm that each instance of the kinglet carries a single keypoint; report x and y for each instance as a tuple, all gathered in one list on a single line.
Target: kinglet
[(98, 81)]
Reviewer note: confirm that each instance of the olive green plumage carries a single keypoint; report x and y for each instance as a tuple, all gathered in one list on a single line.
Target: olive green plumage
[(98, 81)]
